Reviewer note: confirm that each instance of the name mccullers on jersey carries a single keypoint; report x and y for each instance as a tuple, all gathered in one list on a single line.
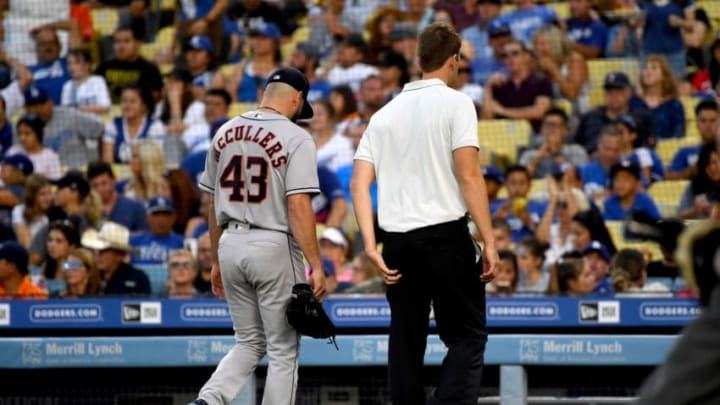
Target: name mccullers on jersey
[(259, 135)]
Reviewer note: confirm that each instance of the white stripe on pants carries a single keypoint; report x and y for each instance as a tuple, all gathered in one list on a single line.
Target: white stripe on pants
[(258, 270)]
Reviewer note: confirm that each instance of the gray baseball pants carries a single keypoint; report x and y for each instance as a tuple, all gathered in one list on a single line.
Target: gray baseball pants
[(259, 268)]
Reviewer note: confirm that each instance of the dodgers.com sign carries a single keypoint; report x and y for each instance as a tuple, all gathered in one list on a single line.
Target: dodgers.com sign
[(65, 313), (539, 311)]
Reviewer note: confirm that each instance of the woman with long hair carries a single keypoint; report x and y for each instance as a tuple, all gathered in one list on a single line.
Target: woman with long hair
[(588, 226), (568, 70), (660, 93), (334, 150), (82, 278), (179, 109), (571, 276), (30, 216), (380, 25), (147, 164), (63, 236), (345, 105), (694, 203), (133, 125), (177, 185)]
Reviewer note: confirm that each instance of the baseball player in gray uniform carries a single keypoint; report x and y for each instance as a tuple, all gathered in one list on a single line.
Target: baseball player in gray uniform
[(261, 171)]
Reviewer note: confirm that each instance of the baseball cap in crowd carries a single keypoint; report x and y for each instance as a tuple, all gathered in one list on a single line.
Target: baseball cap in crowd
[(356, 41), (159, 204), (201, 43), (558, 170), (628, 121), (391, 58), (402, 31), (35, 95), (74, 180), (296, 80), (181, 74), (616, 80), (498, 29), (20, 162), (334, 236), (627, 166), (111, 236), (493, 173), (266, 29), (599, 248), (13, 252), (309, 50)]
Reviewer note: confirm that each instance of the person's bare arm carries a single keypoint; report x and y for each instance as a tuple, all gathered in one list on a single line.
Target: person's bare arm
[(22, 233), (338, 211), (577, 75), (587, 51), (302, 226), (542, 232), (474, 191), (363, 176), (533, 112), (215, 232), (8, 199)]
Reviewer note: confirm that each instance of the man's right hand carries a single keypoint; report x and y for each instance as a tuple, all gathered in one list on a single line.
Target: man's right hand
[(318, 283), (391, 276)]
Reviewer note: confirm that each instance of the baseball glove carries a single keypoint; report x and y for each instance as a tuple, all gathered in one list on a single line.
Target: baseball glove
[(307, 315)]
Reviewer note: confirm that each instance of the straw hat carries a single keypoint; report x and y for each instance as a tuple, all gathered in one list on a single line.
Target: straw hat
[(111, 236)]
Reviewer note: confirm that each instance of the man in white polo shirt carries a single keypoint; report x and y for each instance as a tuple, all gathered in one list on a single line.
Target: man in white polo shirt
[(422, 148)]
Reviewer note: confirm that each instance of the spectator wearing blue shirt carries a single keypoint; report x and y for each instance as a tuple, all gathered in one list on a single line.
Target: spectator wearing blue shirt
[(586, 35), (684, 163), (114, 206), (306, 58), (626, 196), (329, 205), (660, 93), (153, 246), (522, 214), (526, 18), (6, 130), (51, 72), (597, 258), (595, 175), (618, 93), (479, 36), (651, 167), (482, 68), (201, 17), (200, 62), (662, 34), (494, 179)]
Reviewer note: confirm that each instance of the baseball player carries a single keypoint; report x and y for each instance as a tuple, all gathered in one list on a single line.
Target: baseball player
[(261, 171)]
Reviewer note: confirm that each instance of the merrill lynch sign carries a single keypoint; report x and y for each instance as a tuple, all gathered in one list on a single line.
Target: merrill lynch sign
[(553, 350)]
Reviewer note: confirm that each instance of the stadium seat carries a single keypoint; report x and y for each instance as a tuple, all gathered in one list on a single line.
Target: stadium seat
[(565, 105), (158, 276), (615, 228), (599, 68), (561, 8), (689, 104), (121, 171), (504, 137), (667, 194), (666, 148), (712, 8), (240, 108), (105, 20), (666, 281)]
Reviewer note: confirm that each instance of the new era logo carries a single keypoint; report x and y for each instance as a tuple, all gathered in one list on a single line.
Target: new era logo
[(601, 312), (589, 312), (4, 314), (131, 312), (142, 312)]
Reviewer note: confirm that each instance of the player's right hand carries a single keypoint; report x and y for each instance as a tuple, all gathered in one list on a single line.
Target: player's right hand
[(318, 283), (491, 261), (216, 282), (391, 276)]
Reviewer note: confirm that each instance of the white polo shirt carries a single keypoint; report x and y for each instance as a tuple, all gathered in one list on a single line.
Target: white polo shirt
[(410, 141)]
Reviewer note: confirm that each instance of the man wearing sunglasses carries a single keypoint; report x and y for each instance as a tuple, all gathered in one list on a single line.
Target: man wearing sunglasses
[(519, 94)]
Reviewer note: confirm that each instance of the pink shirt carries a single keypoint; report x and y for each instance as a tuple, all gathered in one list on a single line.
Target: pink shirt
[(45, 162)]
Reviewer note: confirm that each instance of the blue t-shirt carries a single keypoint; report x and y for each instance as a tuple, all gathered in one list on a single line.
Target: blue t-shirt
[(592, 33), (194, 164), (330, 190), (518, 229), (523, 23), (51, 77), (659, 36), (6, 138), (685, 157), (594, 176), (154, 250), (130, 213), (646, 157), (669, 120), (199, 230), (643, 203), (344, 173), (195, 8), (318, 90), (603, 287), (248, 90)]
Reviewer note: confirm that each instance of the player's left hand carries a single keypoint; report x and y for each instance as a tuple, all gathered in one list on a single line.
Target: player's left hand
[(216, 282), (490, 263)]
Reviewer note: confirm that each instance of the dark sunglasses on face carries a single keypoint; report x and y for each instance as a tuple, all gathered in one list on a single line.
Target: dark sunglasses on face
[(180, 265), (72, 265), (464, 70), (508, 54)]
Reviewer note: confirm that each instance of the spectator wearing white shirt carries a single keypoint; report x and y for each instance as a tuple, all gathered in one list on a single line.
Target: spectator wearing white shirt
[(30, 137), (349, 68), (334, 150), (85, 91)]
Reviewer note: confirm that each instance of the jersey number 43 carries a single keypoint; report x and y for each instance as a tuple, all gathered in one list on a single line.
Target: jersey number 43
[(232, 178)]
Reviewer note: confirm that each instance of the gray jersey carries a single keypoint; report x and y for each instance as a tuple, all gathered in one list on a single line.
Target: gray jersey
[(255, 162)]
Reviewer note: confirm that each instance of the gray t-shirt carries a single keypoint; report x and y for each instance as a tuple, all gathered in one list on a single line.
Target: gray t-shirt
[(68, 133), (255, 162), (571, 153)]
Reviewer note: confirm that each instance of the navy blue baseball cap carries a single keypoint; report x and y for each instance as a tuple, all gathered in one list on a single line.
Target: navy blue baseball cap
[(599, 247), (616, 80), (201, 43), (159, 204), (20, 162), (74, 180), (35, 95), (493, 173), (497, 29), (266, 29), (627, 166), (296, 80), (13, 252)]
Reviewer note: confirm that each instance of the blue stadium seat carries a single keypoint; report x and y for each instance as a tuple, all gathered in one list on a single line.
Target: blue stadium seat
[(158, 276)]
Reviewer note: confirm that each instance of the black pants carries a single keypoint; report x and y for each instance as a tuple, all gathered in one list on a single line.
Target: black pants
[(438, 266)]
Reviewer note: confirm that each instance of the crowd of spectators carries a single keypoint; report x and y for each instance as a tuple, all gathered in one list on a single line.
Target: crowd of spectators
[(104, 132)]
